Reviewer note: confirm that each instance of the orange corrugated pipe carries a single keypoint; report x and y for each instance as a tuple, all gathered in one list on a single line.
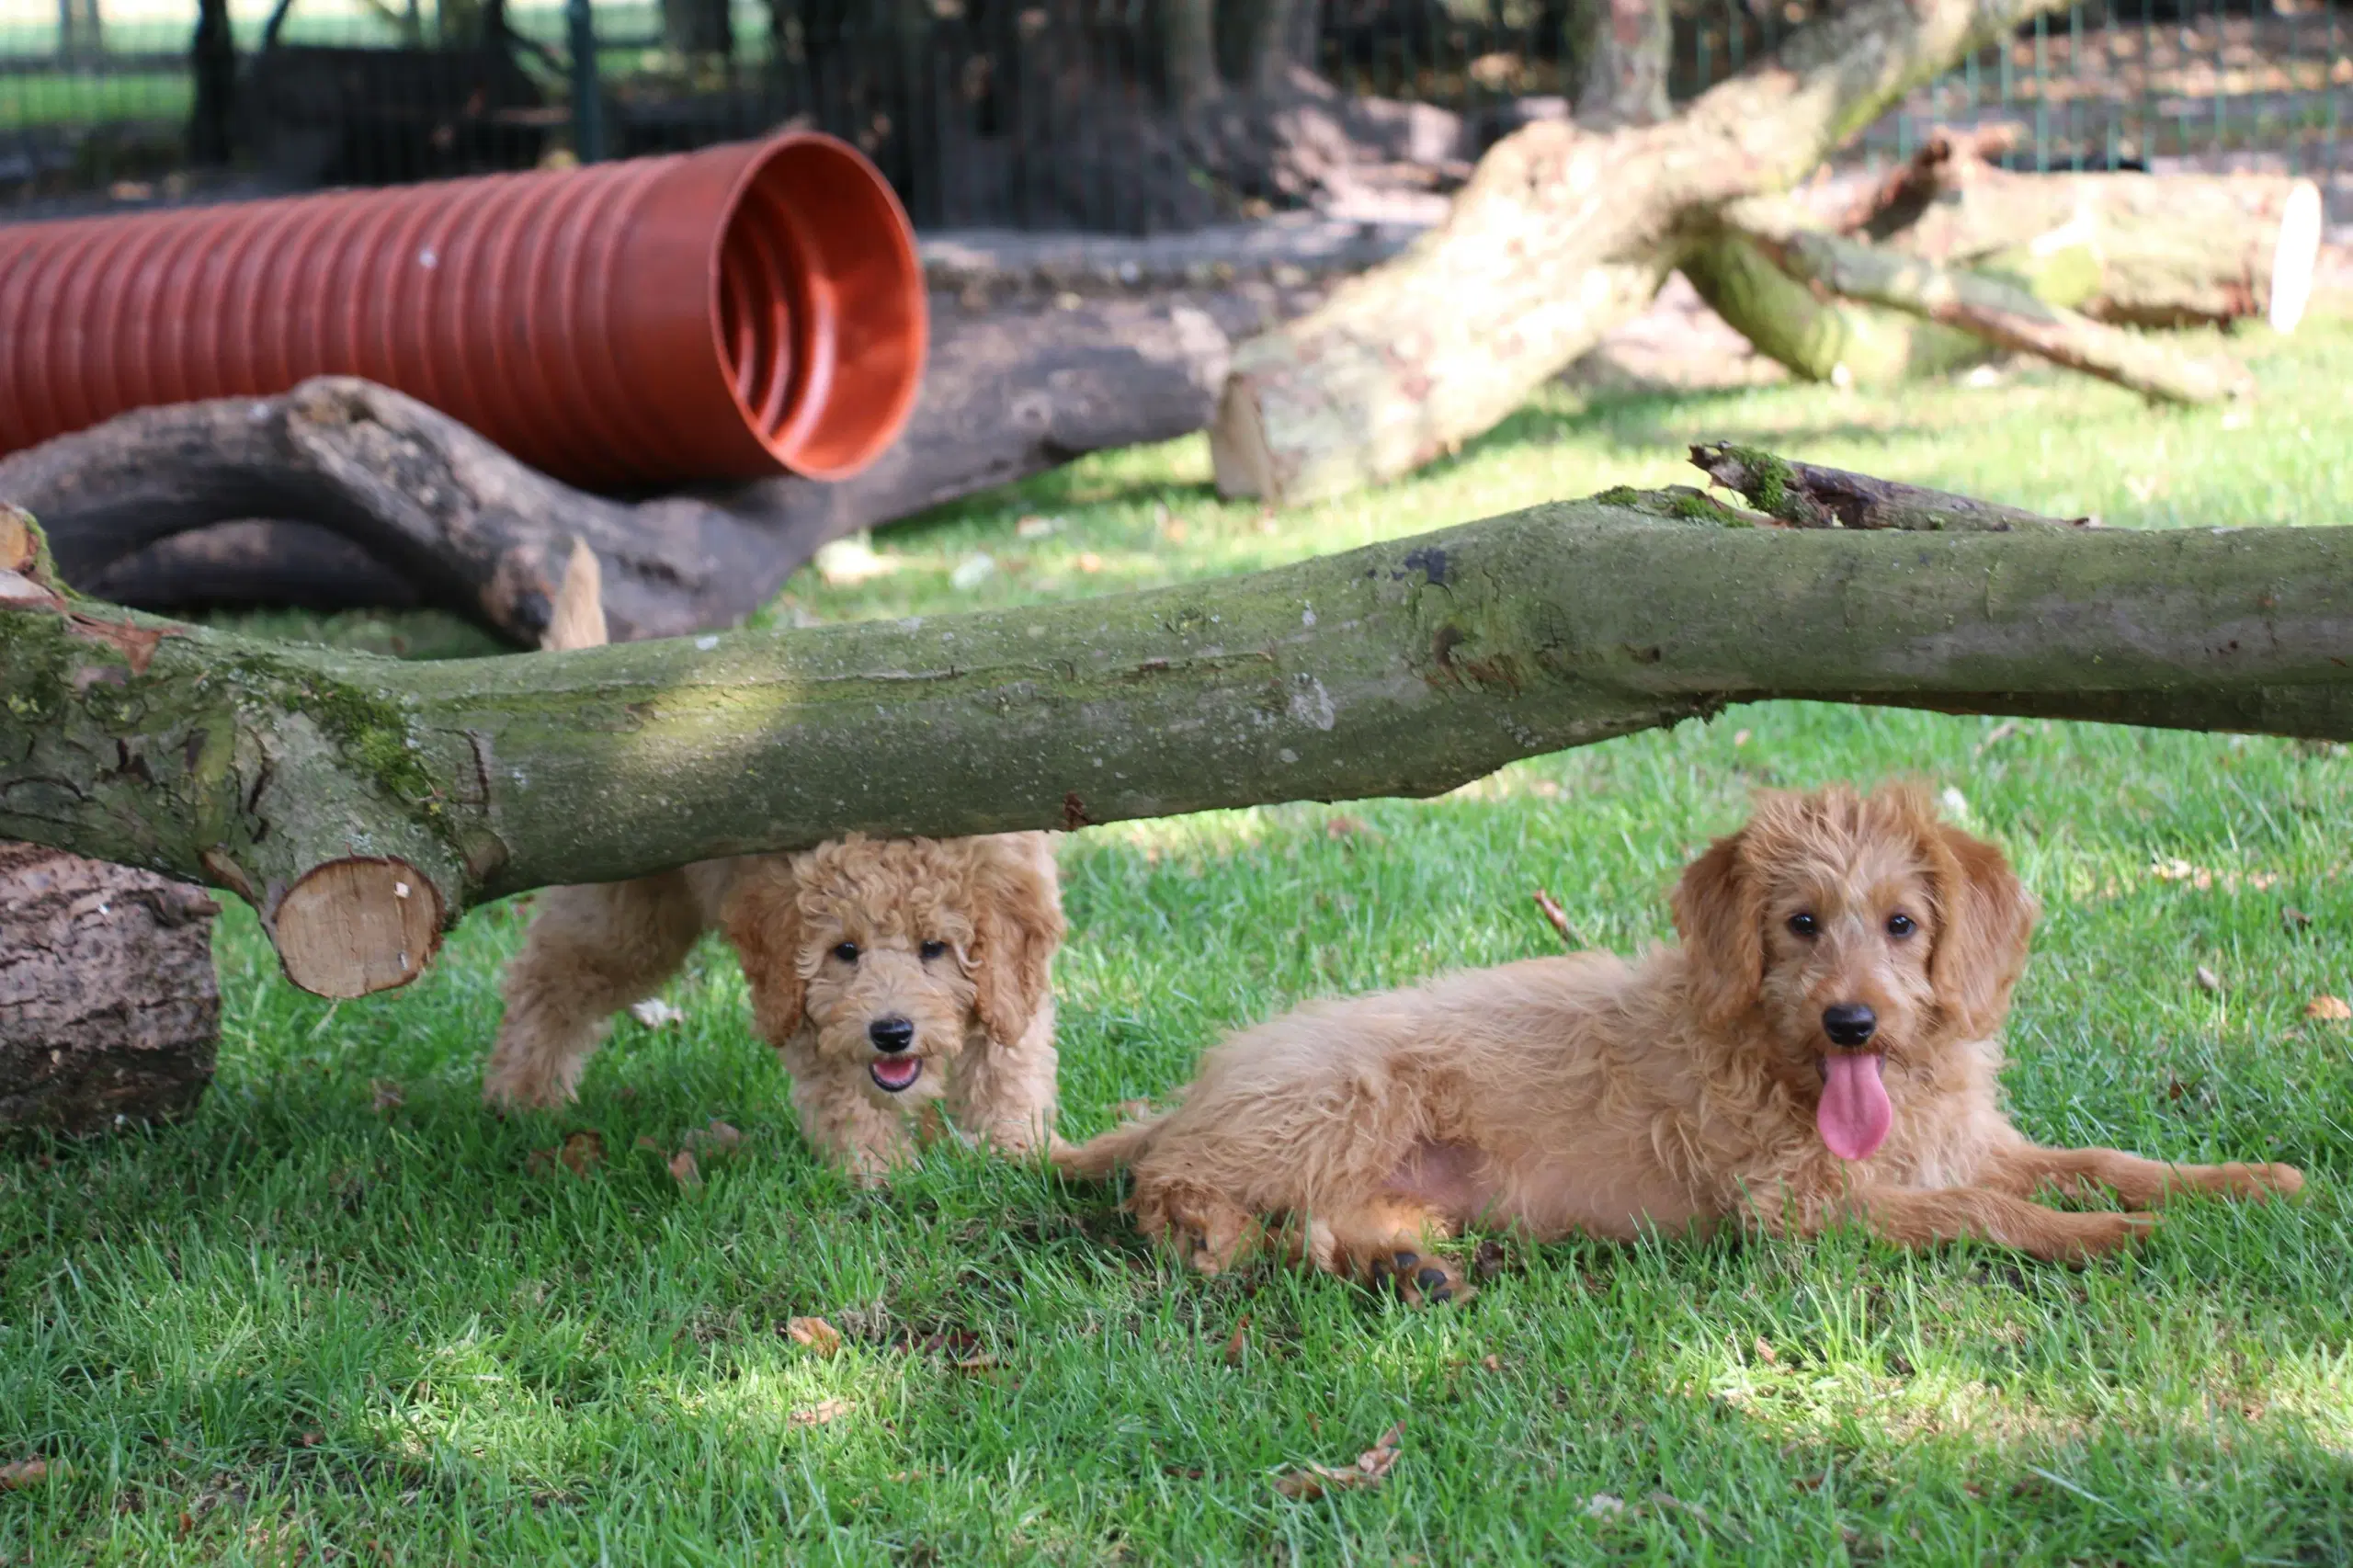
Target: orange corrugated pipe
[(722, 314)]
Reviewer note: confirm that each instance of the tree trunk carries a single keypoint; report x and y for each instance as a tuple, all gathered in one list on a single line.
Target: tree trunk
[(1275, 36), (387, 501), (212, 68), (361, 804), (694, 27), (1625, 65), (1188, 52), (108, 1008), (1987, 305), (2147, 250), (1561, 235)]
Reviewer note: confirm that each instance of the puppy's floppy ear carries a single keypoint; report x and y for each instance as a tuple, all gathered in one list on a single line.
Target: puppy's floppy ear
[(1987, 917), (762, 919), (1016, 926), (1720, 915)]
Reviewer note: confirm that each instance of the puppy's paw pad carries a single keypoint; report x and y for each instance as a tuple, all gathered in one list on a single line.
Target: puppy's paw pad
[(1420, 1280)]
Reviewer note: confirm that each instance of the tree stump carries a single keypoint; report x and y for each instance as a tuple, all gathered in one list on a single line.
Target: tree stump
[(109, 1011)]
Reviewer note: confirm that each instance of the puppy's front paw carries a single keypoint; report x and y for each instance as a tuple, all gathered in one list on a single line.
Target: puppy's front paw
[(1420, 1279), (511, 1092)]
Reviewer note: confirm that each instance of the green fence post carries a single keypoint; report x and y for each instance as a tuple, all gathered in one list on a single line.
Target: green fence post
[(588, 103)]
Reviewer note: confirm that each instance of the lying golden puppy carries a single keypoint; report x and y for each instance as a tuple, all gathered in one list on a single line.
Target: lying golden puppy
[(1822, 1045)]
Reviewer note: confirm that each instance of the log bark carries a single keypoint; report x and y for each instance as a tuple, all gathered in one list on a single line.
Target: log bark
[(1560, 235), (361, 804), (109, 1011), (2137, 249), (1817, 336), (370, 497), (1988, 306)]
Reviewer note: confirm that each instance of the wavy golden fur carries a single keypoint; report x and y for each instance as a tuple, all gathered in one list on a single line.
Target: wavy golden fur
[(896, 979), (1822, 1046)]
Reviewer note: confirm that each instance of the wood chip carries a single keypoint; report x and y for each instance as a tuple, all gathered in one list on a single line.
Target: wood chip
[(1371, 1468), (23, 1473), (2207, 979), (816, 1333), (2335, 1009), (817, 1414)]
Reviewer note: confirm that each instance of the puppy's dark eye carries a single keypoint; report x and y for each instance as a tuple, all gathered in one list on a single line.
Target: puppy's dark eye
[(1804, 925), (1900, 926), (933, 949), (846, 952)]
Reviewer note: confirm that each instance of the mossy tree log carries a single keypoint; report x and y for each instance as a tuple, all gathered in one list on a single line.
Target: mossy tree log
[(2128, 249), (2138, 249), (1986, 306), (361, 804), (1560, 234)]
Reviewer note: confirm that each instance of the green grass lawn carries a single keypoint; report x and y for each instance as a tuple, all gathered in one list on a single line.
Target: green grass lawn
[(344, 1314)]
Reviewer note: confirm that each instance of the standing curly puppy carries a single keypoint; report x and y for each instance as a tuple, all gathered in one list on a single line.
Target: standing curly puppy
[(1822, 1046), (896, 979)]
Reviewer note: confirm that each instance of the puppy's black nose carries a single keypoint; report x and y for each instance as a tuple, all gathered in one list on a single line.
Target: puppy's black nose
[(897, 1034), (1850, 1024)]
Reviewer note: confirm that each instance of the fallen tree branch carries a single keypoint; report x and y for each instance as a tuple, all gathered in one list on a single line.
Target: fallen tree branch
[(2001, 313), (1560, 235), (373, 497), (362, 803), (1805, 496)]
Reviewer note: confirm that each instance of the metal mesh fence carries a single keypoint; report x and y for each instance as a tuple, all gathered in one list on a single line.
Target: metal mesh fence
[(1031, 113)]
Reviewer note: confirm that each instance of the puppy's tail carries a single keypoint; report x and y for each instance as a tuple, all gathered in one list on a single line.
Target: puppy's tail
[(1098, 1157), (577, 618)]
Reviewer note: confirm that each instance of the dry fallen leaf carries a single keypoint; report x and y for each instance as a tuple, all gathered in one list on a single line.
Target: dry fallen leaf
[(1089, 562), (581, 1152), (1494, 1363), (386, 1095), (1238, 1342), (2207, 979), (23, 1473), (1129, 1110), (2294, 919), (2333, 1009), (1372, 1466), (817, 1414), (654, 1013), (1560, 919), (1343, 827), (689, 1173), (1602, 1505), (718, 1135), (816, 1333), (1766, 1353)]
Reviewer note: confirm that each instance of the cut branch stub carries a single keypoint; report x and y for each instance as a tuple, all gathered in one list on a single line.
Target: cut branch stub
[(352, 927), (1805, 496)]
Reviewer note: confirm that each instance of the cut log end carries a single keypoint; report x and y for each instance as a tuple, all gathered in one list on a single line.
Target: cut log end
[(109, 1010), (356, 926), (2297, 257), (1244, 463)]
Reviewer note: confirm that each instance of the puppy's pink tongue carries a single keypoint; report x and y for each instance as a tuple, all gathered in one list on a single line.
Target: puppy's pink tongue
[(1853, 1115)]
